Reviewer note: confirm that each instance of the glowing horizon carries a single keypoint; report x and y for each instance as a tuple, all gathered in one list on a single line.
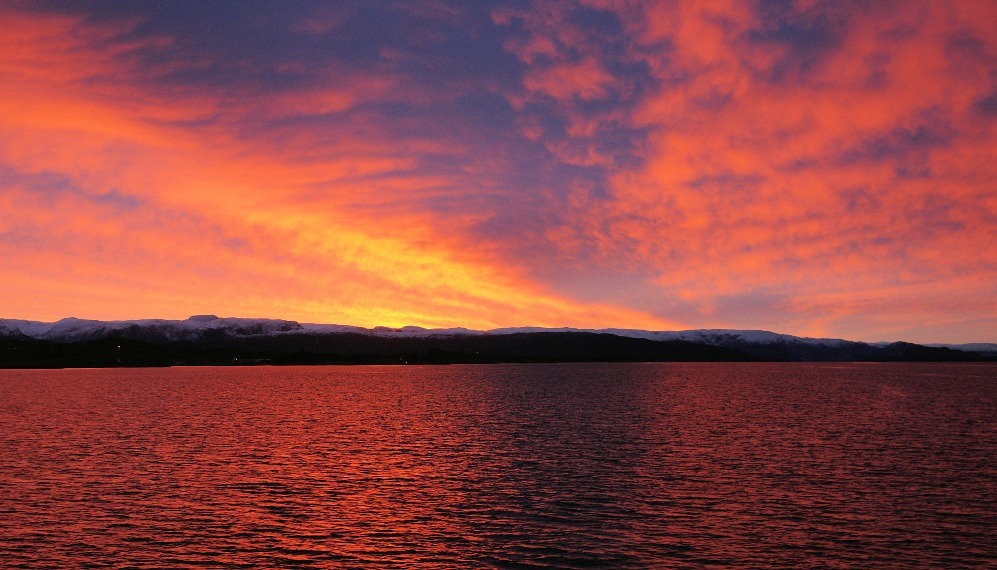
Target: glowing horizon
[(810, 168)]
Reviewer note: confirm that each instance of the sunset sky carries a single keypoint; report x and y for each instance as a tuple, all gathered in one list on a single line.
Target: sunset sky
[(812, 168)]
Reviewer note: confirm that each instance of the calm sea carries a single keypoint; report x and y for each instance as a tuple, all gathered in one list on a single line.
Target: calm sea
[(508, 466)]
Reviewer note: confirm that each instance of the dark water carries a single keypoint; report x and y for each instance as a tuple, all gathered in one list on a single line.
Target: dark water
[(517, 466)]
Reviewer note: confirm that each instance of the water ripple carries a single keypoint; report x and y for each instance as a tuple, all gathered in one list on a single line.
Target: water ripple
[(508, 466)]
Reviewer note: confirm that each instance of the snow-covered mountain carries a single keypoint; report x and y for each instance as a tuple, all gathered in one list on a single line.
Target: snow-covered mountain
[(75, 330), (206, 327)]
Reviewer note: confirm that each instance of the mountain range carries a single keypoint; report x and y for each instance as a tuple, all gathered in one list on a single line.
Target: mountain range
[(210, 340)]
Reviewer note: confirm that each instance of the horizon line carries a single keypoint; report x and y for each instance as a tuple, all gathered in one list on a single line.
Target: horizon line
[(207, 317)]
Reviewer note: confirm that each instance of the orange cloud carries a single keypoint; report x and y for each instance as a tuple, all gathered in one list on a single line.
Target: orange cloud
[(853, 174), (813, 168), (115, 207)]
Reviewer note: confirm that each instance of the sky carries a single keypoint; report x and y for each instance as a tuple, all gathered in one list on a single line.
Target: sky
[(814, 168)]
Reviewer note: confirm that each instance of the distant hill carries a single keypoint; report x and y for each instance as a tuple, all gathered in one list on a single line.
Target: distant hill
[(209, 340)]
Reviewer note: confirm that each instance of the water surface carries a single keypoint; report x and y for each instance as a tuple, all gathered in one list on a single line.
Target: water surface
[(510, 466)]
